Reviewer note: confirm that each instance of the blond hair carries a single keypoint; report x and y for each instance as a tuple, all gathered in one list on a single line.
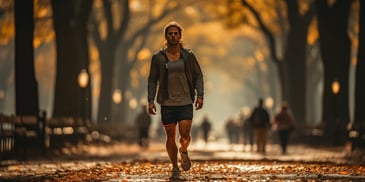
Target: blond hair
[(173, 24)]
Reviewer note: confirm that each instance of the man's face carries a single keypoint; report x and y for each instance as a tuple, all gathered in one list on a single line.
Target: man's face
[(173, 36)]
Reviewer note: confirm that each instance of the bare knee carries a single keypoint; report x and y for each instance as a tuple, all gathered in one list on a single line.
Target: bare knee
[(185, 139)]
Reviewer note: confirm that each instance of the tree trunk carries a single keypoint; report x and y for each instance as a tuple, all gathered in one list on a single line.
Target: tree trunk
[(26, 88), (335, 48), (105, 99), (360, 73), (107, 49), (295, 58), (292, 68), (72, 57), (5, 73)]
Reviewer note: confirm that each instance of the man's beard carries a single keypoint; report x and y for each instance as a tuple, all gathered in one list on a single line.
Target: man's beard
[(174, 43)]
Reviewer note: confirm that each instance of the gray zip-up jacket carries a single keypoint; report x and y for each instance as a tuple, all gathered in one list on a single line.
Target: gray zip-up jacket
[(159, 73)]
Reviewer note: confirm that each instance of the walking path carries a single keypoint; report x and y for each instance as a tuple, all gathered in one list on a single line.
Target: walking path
[(128, 161), (224, 151), (219, 150)]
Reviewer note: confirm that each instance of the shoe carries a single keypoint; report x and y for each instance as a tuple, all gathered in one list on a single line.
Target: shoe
[(175, 173), (185, 161)]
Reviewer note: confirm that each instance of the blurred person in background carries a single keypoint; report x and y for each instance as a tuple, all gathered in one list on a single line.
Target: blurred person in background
[(143, 123), (176, 76), (232, 130), (260, 121), (283, 124), (247, 132), (205, 127)]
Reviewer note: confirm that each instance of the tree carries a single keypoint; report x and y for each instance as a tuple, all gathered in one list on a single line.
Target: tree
[(26, 88), (5, 73), (108, 46), (70, 23), (6, 49), (335, 46), (292, 67), (359, 118), (43, 33)]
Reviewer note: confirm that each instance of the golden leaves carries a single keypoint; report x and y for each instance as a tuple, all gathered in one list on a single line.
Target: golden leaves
[(7, 31), (216, 170), (313, 33)]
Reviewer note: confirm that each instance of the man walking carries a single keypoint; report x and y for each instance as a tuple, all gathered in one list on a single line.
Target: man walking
[(260, 120), (176, 76)]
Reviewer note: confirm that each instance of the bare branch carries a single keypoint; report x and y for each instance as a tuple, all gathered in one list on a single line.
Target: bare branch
[(266, 31), (151, 23)]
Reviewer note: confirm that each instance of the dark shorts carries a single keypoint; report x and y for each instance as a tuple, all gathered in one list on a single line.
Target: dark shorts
[(174, 114)]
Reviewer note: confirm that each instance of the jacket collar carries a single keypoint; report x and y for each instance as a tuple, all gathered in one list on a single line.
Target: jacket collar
[(183, 51)]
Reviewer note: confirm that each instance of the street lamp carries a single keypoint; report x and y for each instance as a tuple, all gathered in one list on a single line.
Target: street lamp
[(117, 96), (117, 99), (335, 87), (269, 103), (133, 104), (335, 90), (83, 80)]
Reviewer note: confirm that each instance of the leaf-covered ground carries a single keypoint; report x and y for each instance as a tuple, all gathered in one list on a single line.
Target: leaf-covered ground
[(214, 162), (219, 170)]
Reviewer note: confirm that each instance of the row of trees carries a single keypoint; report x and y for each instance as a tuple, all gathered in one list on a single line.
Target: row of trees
[(107, 25), (332, 19), (75, 23)]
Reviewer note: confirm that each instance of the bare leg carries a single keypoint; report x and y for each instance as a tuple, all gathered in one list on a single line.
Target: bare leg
[(184, 130), (171, 143)]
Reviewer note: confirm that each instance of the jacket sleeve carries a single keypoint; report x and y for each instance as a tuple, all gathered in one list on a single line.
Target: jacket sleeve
[(197, 77), (152, 79)]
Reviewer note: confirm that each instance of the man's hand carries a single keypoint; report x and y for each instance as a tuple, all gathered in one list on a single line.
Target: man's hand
[(198, 103), (152, 108)]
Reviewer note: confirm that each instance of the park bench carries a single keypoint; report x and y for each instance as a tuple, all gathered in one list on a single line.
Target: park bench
[(356, 138), (65, 131), (29, 134), (6, 136), (21, 134)]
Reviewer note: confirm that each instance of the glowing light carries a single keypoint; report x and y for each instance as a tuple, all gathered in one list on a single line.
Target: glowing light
[(269, 102), (117, 96), (135, 5), (68, 130), (335, 87), (133, 103), (83, 78), (57, 131)]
